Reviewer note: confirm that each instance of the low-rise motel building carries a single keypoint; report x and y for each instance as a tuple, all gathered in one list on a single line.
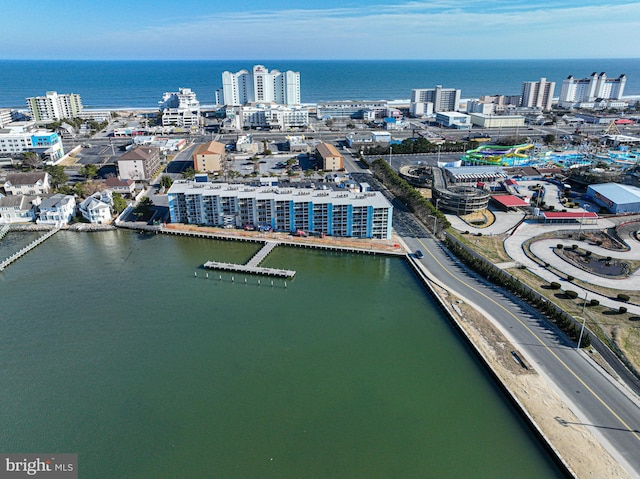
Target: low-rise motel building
[(331, 159), (336, 212)]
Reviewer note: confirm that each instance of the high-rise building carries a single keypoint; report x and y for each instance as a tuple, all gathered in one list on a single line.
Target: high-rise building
[(180, 108), (54, 107), (538, 94), (425, 101), (578, 91), (259, 86)]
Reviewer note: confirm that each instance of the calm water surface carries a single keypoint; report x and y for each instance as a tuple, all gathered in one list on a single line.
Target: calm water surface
[(111, 348)]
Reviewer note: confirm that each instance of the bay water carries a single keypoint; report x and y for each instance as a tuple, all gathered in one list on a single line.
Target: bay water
[(116, 346)]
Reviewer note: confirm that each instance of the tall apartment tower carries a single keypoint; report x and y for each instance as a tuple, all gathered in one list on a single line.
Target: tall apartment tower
[(54, 107), (538, 94), (425, 101), (259, 86), (580, 90)]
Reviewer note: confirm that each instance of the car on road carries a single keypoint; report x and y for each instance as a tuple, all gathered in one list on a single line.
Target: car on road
[(418, 254)]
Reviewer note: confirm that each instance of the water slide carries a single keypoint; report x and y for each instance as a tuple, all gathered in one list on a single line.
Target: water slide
[(498, 154)]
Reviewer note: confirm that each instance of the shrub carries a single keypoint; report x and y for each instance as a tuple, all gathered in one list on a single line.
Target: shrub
[(622, 310), (559, 246), (594, 302), (478, 234), (570, 278), (623, 297), (571, 294), (608, 259), (554, 285), (587, 253), (574, 246)]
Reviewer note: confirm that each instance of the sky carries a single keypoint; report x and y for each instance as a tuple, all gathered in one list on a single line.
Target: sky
[(327, 29)]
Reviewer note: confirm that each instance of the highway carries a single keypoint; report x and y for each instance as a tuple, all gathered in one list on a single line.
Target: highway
[(600, 403)]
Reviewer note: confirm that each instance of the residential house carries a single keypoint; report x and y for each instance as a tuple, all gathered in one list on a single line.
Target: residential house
[(97, 208), (209, 157), (27, 184), (57, 210), (18, 208), (139, 163), (117, 185)]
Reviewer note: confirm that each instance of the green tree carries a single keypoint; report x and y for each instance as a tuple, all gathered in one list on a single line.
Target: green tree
[(89, 171), (189, 173), (119, 203), (143, 207), (165, 181), (549, 139), (30, 160), (57, 175)]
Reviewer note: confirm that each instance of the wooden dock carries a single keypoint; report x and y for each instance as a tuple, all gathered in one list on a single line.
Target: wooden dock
[(27, 248), (252, 265), (243, 268)]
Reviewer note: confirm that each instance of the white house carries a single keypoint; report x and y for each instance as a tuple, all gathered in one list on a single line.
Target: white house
[(18, 209), (27, 184), (57, 210), (95, 209)]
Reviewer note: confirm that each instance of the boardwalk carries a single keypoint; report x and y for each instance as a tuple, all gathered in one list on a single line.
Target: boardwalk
[(27, 248)]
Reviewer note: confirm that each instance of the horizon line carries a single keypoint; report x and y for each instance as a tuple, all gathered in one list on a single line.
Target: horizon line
[(307, 59)]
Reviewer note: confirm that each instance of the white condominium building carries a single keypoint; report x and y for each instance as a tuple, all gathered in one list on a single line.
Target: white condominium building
[(259, 86), (425, 101), (180, 108), (582, 92), (538, 94), (334, 213), (54, 107), (271, 116), (24, 137)]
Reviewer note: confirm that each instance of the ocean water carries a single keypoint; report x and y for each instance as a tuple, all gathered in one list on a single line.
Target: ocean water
[(140, 84)]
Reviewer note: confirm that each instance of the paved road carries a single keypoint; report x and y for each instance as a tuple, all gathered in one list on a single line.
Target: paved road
[(601, 404)]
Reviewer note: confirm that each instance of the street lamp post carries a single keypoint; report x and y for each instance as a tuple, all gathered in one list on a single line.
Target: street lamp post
[(390, 153), (584, 206), (584, 320), (586, 293)]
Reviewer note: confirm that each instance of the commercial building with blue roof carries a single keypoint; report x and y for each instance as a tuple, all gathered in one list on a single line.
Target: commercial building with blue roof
[(615, 197)]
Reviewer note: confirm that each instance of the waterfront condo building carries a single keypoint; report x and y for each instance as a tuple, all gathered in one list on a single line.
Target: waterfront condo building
[(426, 101), (583, 92), (538, 94), (332, 212), (180, 108), (259, 86), (53, 107), (139, 163)]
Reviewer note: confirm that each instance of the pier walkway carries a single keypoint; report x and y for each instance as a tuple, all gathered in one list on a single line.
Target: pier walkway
[(28, 248), (252, 265), (262, 254), (4, 231)]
